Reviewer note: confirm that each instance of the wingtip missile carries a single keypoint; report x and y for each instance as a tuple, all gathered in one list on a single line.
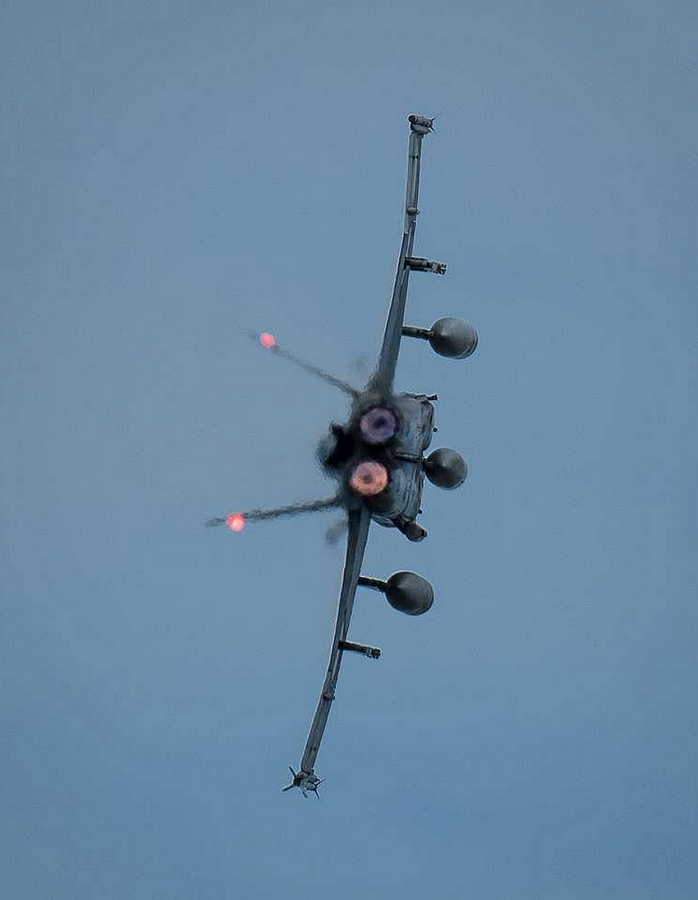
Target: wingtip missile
[(421, 124), (308, 782)]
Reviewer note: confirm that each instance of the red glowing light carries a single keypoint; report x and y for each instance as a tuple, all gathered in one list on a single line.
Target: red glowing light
[(235, 521), (369, 478), (267, 340)]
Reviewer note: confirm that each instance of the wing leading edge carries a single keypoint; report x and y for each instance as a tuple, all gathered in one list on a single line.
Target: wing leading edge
[(387, 361), (359, 521)]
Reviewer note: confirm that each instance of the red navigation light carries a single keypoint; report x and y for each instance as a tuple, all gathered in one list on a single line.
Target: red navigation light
[(267, 340), (235, 521)]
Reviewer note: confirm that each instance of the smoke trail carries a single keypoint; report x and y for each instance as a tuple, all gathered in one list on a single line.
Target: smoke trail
[(334, 532), (316, 370), (306, 366), (292, 510)]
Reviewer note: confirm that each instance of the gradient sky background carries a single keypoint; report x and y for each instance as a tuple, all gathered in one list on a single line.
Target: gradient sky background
[(173, 172)]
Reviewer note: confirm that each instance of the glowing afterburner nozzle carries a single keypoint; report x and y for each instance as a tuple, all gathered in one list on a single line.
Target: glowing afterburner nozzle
[(267, 340), (369, 478), (378, 425), (235, 521)]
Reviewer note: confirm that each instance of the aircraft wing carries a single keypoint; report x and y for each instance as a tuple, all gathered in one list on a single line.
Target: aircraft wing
[(359, 521), (387, 361)]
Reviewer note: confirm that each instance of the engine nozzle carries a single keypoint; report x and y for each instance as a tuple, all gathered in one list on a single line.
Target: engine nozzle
[(369, 478), (378, 425)]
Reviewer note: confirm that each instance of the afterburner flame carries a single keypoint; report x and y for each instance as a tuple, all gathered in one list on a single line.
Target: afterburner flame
[(378, 425), (369, 478), (267, 340), (235, 521)]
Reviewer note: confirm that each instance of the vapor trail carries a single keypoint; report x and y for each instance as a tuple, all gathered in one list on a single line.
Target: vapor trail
[(292, 510), (334, 532), (306, 366)]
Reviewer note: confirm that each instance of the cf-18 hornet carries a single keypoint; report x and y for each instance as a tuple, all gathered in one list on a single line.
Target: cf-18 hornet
[(377, 459)]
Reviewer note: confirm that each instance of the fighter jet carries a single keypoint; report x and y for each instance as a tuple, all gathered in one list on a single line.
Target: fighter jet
[(377, 459)]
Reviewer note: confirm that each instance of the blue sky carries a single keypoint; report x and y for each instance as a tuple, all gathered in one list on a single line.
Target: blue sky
[(174, 173)]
